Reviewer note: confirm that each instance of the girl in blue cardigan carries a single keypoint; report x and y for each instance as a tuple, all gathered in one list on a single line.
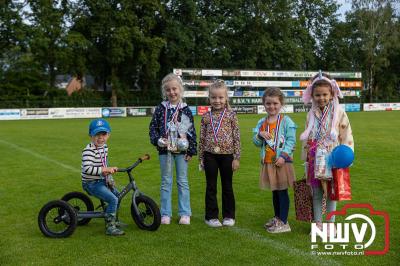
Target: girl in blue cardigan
[(172, 131), (275, 134)]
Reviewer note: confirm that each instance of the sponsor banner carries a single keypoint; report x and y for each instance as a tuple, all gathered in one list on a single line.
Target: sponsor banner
[(63, 113), (257, 93), (342, 84), (285, 109), (211, 72), (261, 73), (352, 107), (246, 101), (35, 113), (191, 83), (293, 100), (395, 106), (261, 83), (292, 93), (351, 93), (202, 109), (229, 83), (238, 93), (372, 107), (296, 74), (113, 112), (138, 111), (10, 114), (250, 94), (381, 107), (231, 73), (188, 72), (258, 100), (193, 109), (245, 109), (301, 108), (195, 94)]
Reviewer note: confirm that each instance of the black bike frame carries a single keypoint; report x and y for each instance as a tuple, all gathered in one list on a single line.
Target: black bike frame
[(130, 186)]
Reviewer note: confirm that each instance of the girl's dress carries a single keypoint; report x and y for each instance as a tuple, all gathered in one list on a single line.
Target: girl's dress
[(282, 144)]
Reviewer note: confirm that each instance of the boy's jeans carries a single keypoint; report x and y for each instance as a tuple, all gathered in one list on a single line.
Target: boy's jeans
[(166, 166), (100, 190)]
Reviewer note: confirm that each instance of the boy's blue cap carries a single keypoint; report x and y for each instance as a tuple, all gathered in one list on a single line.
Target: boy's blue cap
[(99, 125)]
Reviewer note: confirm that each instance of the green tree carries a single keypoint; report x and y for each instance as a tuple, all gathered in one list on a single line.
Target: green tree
[(121, 41), (48, 20), (376, 30)]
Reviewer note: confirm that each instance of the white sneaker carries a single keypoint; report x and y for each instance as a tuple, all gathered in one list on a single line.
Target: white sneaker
[(165, 220), (228, 222), (213, 223), (184, 219)]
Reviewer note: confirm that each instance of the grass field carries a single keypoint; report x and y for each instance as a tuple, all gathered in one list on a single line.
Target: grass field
[(40, 161)]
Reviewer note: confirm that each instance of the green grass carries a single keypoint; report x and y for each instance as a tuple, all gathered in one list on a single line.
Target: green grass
[(40, 161)]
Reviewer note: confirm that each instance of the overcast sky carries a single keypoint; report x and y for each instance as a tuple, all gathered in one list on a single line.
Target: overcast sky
[(345, 6)]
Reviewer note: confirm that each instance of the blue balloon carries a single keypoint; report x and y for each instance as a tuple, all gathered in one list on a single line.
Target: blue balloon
[(342, 156)]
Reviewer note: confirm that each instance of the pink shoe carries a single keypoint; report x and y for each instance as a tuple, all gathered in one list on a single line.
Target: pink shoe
[(165, 220), (184, 219)]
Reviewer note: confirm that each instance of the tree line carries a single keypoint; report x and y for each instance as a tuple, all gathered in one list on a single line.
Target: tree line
[(128, 46)]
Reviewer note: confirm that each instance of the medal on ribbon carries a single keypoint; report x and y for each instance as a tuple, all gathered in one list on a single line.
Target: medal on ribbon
[(273, 144), (216, 129), (322, 122), (103, 158)]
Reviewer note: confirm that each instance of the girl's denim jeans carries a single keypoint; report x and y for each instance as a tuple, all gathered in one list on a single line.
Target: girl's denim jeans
[(167, 162)]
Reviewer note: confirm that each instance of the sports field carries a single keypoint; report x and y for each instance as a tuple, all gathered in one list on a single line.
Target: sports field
[(40, 161)]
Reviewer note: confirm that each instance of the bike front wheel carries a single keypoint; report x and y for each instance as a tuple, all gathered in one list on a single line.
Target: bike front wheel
[(148, 216), (57, 219)]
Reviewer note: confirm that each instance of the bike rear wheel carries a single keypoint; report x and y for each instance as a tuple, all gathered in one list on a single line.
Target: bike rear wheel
[(148, 216), (80, 202), (57, 219)]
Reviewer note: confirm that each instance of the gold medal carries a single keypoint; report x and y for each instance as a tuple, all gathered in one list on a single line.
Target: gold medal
[(217, 149)]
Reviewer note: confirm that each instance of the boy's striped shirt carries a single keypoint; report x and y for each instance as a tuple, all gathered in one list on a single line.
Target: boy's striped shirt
[(91, 162)]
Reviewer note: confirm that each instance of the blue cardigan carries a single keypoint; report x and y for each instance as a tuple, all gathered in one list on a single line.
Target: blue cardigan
[(156, 128), (286, 136)]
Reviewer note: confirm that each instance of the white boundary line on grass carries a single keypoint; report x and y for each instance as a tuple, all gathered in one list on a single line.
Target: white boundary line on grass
[(242, 231), (318, 260), (38, 155)]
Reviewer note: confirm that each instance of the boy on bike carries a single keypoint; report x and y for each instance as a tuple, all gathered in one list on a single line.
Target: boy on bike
[(96, 175)]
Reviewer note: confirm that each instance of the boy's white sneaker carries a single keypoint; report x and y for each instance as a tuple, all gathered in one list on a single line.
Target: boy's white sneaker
[(184, 219), (213, 223), (228, 222), (165, 220)]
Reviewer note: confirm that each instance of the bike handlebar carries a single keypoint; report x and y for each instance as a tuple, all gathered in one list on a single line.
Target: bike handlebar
[(141, 159)]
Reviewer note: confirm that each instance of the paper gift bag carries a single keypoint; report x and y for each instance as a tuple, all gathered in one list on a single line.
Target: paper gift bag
[(303, 201), (339, 188)]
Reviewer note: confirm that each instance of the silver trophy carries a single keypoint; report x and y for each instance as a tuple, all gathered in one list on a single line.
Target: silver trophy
[(172, 137), (183, 128)]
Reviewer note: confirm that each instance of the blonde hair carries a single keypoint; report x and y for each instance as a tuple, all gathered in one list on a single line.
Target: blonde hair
[(168, 78), (273, 92), (219, 84)]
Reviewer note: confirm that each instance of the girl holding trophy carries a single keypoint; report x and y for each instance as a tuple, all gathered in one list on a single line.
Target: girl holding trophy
[(327, 126), (219, 151), (172, 131)]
